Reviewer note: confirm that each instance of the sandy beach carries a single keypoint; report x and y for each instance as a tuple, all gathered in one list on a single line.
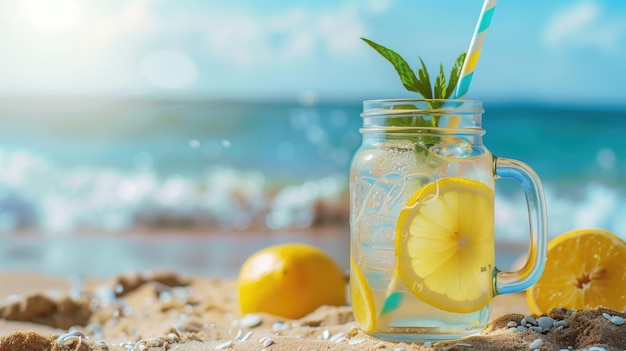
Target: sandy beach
[(165, 309)]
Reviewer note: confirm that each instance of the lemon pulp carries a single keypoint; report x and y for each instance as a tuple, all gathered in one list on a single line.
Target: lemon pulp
[(586, 268), (445, 246)]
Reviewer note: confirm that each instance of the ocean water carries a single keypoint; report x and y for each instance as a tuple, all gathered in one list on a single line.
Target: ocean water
[(114, 166)]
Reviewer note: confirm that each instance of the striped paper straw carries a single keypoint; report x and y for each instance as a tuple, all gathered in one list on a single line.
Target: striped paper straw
[(474, 50)]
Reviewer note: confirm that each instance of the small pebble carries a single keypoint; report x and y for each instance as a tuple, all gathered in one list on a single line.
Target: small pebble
[(545, 322), (596, 348), (74, 333), (356, 341), (535, 344), (617, 320), (279, 326), (247, 336), (560, 323), (536, 329), (250, 320), (428, 344), (379, 345), (531, 320), (511, 324), (335, 337), (326, 334), (606, 315), (520, 328), (223, 345), (267, 342), (68, 338), (399, 349)]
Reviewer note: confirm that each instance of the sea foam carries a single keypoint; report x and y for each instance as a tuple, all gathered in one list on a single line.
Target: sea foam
[(35, 194)]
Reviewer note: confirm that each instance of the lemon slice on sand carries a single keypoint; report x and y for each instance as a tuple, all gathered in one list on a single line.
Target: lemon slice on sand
[(586, 268), (445, 245), (362, 299)]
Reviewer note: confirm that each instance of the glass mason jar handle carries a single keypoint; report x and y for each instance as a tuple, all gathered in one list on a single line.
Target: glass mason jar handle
[(511, 282)]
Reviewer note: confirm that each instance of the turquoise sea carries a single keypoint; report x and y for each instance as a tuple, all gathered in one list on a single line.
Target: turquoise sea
[(123, 165)]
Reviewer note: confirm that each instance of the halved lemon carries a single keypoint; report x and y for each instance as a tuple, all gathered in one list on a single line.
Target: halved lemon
[(445, 244), (586, 268), (362, 299)]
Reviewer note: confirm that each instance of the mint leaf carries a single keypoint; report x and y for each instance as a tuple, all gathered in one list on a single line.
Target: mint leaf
[(455, 74), (440, 84), (407, 76), (419, 82), (425, 87)]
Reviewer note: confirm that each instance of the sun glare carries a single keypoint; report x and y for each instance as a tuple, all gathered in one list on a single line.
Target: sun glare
[(53, 15)]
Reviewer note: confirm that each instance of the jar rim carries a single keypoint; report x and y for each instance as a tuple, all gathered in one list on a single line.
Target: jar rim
[(469, 101), (446, 106), (397, 116)]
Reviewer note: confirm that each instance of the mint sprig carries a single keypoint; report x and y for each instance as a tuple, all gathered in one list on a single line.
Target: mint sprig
[(420, 82)]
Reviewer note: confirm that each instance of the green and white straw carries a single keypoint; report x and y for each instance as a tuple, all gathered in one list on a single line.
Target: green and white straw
[(476, 45)]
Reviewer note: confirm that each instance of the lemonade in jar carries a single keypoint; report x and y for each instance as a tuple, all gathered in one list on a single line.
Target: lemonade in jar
[(422, 221)]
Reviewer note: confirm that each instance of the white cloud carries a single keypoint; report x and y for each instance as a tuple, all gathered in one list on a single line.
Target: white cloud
[(243, 38), (295, 33), (340, 30), (377, 6), (584, 24), (169, 69)]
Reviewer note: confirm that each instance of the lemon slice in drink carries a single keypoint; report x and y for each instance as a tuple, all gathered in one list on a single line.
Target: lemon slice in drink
[(445, 246), (362, 299)]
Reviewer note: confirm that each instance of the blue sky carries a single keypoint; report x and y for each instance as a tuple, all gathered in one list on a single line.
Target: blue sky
[(550, 51)]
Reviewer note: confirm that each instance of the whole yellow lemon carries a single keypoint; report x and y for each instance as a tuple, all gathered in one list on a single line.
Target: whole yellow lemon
[(290, 280)]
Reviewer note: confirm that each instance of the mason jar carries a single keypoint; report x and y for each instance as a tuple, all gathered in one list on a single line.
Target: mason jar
[(422, 249)]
